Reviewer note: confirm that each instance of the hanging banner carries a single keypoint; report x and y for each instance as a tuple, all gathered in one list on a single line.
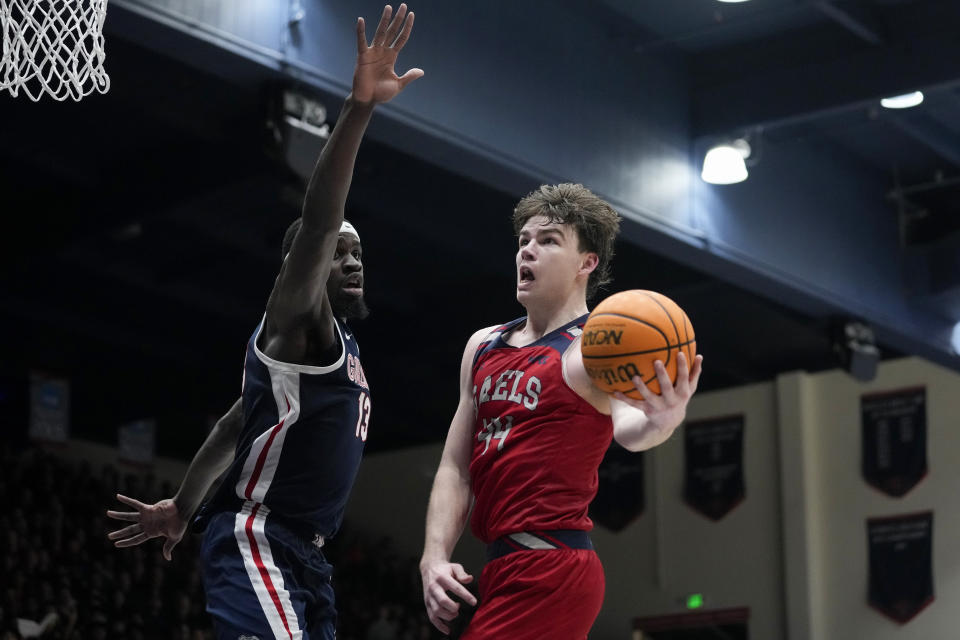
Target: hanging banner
[(620, 498), (894, 440), (713, 482), (49, 408), (901, 565)]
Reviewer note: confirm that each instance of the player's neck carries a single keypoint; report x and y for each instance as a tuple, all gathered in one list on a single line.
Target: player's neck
[(542, 319)]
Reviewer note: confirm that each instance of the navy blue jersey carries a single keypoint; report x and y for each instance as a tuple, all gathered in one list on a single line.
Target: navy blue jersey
[(302, 439)]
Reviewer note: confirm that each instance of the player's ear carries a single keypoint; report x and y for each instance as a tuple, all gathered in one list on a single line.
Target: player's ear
[(589, 262)]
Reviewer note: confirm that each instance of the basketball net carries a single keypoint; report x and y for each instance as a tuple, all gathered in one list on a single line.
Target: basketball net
[(53, 47)]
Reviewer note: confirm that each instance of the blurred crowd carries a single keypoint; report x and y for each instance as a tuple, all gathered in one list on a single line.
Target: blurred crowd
[(60, 578)]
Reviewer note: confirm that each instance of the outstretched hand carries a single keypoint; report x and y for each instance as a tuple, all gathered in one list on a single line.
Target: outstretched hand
[(667, 410), (374, 79), (160, 520)]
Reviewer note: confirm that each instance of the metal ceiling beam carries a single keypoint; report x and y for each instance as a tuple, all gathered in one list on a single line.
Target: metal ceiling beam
[(933, 135), (847, 20), (758, 19), (921, 54)]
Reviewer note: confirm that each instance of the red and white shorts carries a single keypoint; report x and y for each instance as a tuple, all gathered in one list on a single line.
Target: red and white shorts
[(538, 594)]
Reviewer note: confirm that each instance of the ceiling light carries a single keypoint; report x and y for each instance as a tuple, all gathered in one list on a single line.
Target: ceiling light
[(731, 0), (724, 163), (904, 101)]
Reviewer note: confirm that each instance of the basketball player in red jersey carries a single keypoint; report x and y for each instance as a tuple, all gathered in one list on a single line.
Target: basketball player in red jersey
[(529, 433)]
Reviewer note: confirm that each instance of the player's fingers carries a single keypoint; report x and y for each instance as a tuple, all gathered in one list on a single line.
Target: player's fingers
[(442, 602), (446, 614), (649, 396), (361, 36), (130, 516), (126, 532), (168, 548), (461, 574), (394, 29), (136, 504), (409, 77), (441, 595), (405, 34), (439, 624), (380, 35), (666, 387), (457, 589), (695, 374), (131, 542), (683, 375)]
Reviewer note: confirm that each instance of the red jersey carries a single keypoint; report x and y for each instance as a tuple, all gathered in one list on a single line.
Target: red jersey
[(537, 444)]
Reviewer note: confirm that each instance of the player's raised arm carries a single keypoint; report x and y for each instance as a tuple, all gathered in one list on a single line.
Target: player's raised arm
[(449, 505), (301, 283)]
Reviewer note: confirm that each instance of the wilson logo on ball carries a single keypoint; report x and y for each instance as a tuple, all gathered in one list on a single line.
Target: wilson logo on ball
[(602, 336), (611, 376)]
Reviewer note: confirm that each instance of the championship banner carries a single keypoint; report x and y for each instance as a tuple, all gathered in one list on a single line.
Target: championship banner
[(894, 441), (901, 565), (136, 442), (713, 481), (49, 408), (620, 498)]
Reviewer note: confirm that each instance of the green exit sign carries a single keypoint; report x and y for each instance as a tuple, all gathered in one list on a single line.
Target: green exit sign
[(694, 601)]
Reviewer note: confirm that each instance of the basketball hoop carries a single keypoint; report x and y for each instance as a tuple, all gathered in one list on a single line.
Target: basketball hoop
[(53, 47)]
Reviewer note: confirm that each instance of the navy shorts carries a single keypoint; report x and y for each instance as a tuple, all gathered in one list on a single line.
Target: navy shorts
[(265, 580)]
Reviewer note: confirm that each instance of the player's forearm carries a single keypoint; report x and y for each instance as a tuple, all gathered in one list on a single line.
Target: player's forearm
[(446, 514), (633, 430), (330, 183), (214, 456)]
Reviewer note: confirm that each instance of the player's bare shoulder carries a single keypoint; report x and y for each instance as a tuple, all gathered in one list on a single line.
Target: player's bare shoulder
[(577, 378), (470, 350), (479, 337)]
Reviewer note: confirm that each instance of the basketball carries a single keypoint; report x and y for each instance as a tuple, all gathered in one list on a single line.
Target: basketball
[(627, 332)]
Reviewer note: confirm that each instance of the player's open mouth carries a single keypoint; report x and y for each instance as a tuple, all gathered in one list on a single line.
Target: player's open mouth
[(526, 275), (353, 286)]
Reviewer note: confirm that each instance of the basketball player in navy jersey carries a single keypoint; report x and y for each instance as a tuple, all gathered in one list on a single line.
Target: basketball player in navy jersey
[(292, 444), (530, 431)]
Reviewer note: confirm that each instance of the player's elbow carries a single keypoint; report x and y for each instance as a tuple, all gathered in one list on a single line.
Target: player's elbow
[(633, 436), (628, 441)]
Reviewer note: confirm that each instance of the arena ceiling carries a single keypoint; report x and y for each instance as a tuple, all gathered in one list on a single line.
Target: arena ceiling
[(143, 227)]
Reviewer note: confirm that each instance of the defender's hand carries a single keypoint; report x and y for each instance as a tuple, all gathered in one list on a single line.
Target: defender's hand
[(374, 79), (160, 520)]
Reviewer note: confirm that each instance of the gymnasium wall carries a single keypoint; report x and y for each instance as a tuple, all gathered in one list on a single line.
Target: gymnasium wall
[(821, 418), (652, 564), (390, 499), (794, 552)]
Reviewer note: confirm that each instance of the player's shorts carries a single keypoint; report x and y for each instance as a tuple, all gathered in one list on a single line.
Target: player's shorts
[(538, 586), (264, 579)]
